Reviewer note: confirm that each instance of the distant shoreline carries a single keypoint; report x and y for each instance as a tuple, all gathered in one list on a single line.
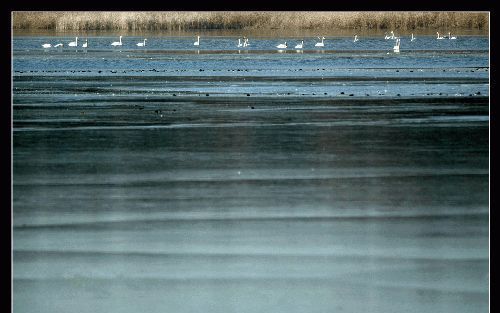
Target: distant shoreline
[(242, 20)]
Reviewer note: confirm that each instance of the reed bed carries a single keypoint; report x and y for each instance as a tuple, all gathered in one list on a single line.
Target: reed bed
[(187, 20)]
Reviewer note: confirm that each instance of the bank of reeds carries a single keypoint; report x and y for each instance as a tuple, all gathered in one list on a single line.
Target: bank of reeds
[(185, 20)]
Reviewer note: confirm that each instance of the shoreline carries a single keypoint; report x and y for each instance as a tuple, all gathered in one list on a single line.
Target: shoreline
[(255, 34)]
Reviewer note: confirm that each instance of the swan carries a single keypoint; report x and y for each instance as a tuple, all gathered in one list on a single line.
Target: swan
[(300, 45), (117, 43), (439, 37), (142, 44), (197, 43), (398, 43), (239, 43), (282, 46), (412, 38), (320, 44), (85, 45), (245, 42), (392, 36), (450, 37), (74, 43), (58, 45), (355, 38), (46, 45)]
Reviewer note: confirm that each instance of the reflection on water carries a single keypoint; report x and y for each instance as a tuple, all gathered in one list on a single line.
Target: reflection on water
[(250, 182)]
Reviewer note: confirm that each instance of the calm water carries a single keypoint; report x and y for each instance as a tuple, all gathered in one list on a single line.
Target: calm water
[(179, 179)]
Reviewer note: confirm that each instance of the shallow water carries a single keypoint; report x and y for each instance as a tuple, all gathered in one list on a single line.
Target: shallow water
[(171, 65), (171, 179)]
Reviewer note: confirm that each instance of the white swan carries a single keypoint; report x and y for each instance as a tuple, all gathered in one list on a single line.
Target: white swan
[(320, 44), (412, 38), (392, 36), (245, 42), (239, 43), (142, 44), (398, 43), (197, 43), (58, 45), (300, 45), (439, 37), (46, 45), (450, 37), (117, 43), (74, 43), (355, 38), (86, 44), (282, 46)]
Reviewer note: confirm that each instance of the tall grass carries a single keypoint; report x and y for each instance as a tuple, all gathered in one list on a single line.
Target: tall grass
[(186, 20)]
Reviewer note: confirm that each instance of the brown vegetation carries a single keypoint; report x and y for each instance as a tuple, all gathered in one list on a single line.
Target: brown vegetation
[(185, 20)]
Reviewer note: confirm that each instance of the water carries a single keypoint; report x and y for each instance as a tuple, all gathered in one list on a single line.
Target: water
[(179, 179)]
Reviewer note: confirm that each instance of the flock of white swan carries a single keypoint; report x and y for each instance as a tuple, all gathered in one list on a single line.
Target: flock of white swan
[(245, 42)]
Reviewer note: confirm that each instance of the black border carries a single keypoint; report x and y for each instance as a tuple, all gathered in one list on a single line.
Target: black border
[(212, 5)]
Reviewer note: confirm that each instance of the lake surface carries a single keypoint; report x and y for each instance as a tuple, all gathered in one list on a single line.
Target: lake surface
[(175, 178)]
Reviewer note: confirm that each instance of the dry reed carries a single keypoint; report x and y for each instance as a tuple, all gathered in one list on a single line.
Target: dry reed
[(186, 20)]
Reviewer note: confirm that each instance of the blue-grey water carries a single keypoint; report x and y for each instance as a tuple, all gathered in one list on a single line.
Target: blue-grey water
[(175, 178)]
